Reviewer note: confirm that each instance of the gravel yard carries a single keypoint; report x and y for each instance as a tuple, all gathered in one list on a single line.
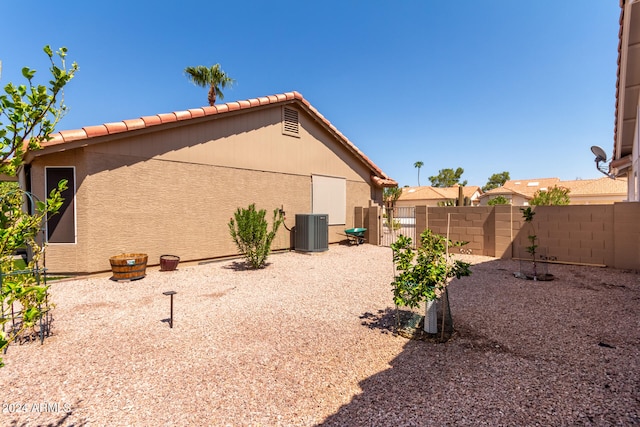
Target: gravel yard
[(308, 341)]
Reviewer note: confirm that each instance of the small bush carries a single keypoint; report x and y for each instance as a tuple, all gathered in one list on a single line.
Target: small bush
[(397, 225), (498, 200), (249, 231)]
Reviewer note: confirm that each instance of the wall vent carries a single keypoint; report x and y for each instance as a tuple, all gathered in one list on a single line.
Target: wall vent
[(290, 124)]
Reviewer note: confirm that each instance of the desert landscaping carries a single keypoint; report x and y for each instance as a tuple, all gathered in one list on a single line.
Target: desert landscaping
[(309, 341)]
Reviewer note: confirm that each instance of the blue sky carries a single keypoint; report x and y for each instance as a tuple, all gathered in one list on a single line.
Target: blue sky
[(486, 85)]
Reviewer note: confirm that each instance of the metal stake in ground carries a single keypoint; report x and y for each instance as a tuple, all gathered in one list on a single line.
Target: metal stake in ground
[(171, 293)]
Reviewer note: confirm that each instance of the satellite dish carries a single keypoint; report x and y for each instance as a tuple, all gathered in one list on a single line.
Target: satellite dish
[(601, 156)]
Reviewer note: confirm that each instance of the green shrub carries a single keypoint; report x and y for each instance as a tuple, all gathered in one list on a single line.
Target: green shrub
[(498, 200), (554, 196), (249, 231), (397, 225)]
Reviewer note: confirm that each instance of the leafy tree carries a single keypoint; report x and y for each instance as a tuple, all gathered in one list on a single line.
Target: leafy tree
[(390, 195), (554, 196), (422, 272), (212, 77), (418, 165), (447, 178), (29, 114), (32, 112), (496, 180), (498, 200), (249, 232)]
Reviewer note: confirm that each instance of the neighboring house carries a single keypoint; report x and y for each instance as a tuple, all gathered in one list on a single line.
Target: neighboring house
[(601, 191), (626, 150), (169, 183), (436, 196), (581, 192), (519, 191)]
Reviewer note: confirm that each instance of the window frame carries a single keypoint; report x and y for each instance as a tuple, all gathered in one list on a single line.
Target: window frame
[(329, 196), (68, 202)]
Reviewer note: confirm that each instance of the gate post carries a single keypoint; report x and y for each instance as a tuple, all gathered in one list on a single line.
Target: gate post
[(421, 221), (358, 217), (373, 225)]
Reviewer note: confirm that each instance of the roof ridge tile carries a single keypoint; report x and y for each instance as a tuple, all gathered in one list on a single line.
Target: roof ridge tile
[(97, 130)]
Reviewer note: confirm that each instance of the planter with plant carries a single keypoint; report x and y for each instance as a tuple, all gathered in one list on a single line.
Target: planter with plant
[(423, 274)]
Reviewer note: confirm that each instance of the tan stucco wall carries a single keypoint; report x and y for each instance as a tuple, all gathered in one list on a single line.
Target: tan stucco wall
[(173, 192), (412, 203), (245, 141), (604, 199)]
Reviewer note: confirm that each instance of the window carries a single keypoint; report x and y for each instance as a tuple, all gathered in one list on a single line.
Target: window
[(329, 196), (290, 124), (61, 227)]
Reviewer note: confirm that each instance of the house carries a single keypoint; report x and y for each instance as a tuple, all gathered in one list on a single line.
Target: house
[(601, 191), (518, 192), (436, 196), (581, 192), (626, 149), (169, 183)]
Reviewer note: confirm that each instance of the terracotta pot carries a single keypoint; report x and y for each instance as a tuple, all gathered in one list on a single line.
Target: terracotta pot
[(169, 262)]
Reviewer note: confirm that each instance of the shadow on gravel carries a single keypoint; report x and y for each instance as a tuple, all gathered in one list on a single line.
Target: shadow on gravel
[(242, 266), (383, 320), (524, 353)]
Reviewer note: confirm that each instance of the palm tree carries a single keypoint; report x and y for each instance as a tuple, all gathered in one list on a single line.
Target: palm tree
[(418, 165), (212, 77)]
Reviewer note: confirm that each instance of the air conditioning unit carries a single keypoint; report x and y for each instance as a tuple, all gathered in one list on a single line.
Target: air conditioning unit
[(312, 232)]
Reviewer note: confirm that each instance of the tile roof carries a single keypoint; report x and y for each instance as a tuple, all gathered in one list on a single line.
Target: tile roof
[(600, 186), (615, 122), (528, 187), (60, 139), (436, 193), (627, 92), (419, 193)]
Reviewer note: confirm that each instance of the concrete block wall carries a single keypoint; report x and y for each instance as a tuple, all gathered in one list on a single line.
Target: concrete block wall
[(626, 235), (603, 235), (463, 224), (574, 234)]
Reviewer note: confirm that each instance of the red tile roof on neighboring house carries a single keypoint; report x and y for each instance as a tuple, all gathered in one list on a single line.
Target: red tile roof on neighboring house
[(436, 193), (528, 187), (592, 187), (522, 187), (89, 132)]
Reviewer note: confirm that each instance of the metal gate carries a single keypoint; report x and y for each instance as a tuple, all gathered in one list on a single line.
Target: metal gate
[(397, 221)]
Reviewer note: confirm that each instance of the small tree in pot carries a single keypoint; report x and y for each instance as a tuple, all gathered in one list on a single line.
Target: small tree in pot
[(423, 274)]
